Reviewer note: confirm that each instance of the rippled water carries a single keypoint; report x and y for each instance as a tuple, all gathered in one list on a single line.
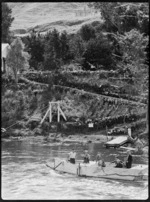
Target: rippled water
[(24, 174)]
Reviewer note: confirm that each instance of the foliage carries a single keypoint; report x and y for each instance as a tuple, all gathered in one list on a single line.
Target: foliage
[(17, 59), (87, 32), (77, 47), (13, 105), (98, 52), (74, 67), (35, 47), (56, 50), (127, 27), (133, 45), (65, 50), (6, 23), (122, 17), (95, 82)]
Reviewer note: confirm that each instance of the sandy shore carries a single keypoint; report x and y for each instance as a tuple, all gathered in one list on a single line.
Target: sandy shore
[(82, 138)]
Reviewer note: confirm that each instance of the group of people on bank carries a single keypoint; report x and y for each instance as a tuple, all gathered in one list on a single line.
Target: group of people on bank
[(127, 163)]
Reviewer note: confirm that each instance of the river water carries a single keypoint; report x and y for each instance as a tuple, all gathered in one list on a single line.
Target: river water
[(24, 174)]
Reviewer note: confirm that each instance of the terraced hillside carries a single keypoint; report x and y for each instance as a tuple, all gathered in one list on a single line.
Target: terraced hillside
[(81, 105)]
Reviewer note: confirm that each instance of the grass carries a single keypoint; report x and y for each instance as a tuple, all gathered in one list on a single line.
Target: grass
[(47, 16)]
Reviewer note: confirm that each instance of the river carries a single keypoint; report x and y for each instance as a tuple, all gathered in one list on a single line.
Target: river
[(24, 174)]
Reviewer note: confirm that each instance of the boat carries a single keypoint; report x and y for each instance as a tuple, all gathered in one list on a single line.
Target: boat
[(136, 173)]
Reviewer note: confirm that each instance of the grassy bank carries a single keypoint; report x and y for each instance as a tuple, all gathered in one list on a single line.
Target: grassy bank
[(78, 106)]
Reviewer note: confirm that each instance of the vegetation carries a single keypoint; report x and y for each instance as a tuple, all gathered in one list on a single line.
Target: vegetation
[(17, 59), (92, 71), (7, 20)]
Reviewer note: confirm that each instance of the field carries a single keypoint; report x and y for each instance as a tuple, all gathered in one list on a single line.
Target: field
[(47, 16)]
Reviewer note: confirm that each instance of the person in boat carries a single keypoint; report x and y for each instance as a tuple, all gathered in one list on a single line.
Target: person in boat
[(118, 162), (72, 156), (86, 157), (129, 159), (99, 160)]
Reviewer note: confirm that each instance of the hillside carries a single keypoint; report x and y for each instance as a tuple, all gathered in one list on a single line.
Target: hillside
[(47, 16)]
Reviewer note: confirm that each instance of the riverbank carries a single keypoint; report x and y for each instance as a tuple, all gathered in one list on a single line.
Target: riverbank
[(138, 148)]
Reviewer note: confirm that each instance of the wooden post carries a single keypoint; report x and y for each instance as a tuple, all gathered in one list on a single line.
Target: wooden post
[(44, 116), (106, 133), (58, 117), (59, 111), (62, 113), (50, 112)]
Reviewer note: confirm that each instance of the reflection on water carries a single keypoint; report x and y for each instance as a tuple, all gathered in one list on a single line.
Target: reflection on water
[(25, 176)]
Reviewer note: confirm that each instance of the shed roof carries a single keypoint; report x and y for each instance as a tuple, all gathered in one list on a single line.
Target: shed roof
[(4, 49)]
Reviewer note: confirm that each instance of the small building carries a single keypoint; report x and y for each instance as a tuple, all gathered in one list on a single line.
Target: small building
[(4, 51)]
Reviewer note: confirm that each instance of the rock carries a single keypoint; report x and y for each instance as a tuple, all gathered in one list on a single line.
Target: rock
[(58, 135), (37, 131), (145, 150), (138, 151), (138, 143)]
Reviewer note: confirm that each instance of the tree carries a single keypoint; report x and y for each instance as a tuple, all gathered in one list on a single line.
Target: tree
[(127, 25), (6, 23), (122, 17), (34, 45), (17, 59), (56, 44), (98, 52), (52, 51), (77, 47), (65, 54), (133, 47), (13, 107), (87, 32)]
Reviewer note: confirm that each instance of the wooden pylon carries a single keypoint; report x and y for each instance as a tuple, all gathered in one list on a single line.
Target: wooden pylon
[(49, 111)]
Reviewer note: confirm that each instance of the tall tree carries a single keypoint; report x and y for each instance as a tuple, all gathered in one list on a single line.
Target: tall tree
[(77, 47), (52, 51), (87, 32), (6, 23), (122, 17), (34, 44), (127, 23), (64, 42), (17, 59), (98, 52), (133, 47)]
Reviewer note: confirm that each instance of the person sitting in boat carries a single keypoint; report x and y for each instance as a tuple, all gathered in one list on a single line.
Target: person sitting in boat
[(99, 160), (86, 157), (118, 162), (72, 156), (129, 159)]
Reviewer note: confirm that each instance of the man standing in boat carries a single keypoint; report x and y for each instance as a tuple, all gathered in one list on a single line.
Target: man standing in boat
[(99, 160), (128, 161), (72, 156), (86, 157)]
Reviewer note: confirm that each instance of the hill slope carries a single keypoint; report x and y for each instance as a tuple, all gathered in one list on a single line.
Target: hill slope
[(47, 16)]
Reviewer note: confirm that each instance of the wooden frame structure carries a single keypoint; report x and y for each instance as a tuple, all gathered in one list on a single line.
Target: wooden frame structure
[(49, 111)]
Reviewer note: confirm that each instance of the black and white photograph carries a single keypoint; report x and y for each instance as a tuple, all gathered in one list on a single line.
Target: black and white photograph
[(75, 100)]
